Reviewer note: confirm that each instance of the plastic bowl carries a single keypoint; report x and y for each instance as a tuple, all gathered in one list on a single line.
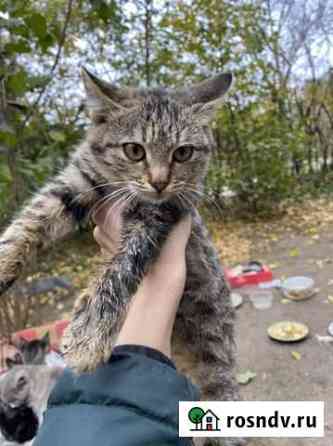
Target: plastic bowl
[(298, 288)]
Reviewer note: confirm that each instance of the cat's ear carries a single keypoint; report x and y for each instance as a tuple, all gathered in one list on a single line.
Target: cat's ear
[(104, 99), (45, 340), (20, 343), (206, 97), (12, 362)]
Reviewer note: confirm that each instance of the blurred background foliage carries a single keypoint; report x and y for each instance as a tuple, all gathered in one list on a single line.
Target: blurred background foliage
[(274, 133)]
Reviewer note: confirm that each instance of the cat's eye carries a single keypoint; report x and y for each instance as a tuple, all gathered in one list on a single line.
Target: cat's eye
[(183, 154), (21, 382), (134, 152)]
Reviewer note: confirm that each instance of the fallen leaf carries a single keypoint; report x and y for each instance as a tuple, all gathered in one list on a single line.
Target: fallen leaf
[(294, 252), (296, 355), (245, 377), (330, 299), (285, 301)]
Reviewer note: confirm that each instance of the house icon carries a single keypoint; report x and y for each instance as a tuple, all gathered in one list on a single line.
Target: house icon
[(210, 421), (206, 421)]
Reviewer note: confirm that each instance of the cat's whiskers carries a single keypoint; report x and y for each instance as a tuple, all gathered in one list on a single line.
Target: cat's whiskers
[(184, 191), (100, 202), (105, 199), (125, 198), (118, 202), (153, 242), (86, 192), (210, 200), (201, 194), (183, 199)]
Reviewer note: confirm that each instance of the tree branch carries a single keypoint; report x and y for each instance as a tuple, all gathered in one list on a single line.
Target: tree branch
[(61, 43)]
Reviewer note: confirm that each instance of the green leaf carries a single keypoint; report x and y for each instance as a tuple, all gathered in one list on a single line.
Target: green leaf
[(38, 81), (296, 355), (57, 136), (245, 377), (21, 30), (7, 138), (17, 47), (294, 252), (37, 23), (17, 82), (105, 12), (46, 41), (5, 175)]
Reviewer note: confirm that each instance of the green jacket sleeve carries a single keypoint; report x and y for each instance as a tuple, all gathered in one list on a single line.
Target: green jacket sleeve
[(130, 401)]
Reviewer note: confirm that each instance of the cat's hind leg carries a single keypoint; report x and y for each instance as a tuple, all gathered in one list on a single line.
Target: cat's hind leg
[(206, 322)]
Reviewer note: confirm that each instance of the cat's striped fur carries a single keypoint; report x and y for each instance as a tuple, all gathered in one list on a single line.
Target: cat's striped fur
[(99, 171)]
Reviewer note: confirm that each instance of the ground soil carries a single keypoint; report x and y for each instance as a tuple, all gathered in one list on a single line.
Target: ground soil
[(278, 375)]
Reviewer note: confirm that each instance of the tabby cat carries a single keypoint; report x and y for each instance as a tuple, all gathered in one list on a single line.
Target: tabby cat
[(148, 148)]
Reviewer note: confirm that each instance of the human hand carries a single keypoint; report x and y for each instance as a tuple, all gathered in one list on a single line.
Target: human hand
[(169, 269), (108, 228), (152, 312)]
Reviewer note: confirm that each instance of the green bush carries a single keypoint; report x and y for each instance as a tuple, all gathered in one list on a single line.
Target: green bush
[(254, 158)]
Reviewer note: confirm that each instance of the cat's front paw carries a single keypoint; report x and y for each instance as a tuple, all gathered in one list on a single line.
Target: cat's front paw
[(77, 341), (86, 342)]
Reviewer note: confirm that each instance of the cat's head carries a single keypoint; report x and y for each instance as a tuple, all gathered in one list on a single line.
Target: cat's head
[(30, 352), (23, 395), (18, 420), (15, 387), (153, 144)]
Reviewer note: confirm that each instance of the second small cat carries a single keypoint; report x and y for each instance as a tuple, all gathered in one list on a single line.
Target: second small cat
[(24, 391)]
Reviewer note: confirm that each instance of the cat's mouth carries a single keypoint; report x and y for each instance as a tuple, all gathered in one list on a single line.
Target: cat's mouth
[(156, 197), (169, 195)]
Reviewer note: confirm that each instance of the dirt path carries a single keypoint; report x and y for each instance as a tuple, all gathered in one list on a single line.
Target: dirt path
[(279, 375)]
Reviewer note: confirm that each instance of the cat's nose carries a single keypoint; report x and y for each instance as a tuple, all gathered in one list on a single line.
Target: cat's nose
[(158, 177), (159, 186)]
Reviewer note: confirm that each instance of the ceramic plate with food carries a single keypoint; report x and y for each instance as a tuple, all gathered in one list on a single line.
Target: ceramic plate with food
[(288, 331)]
